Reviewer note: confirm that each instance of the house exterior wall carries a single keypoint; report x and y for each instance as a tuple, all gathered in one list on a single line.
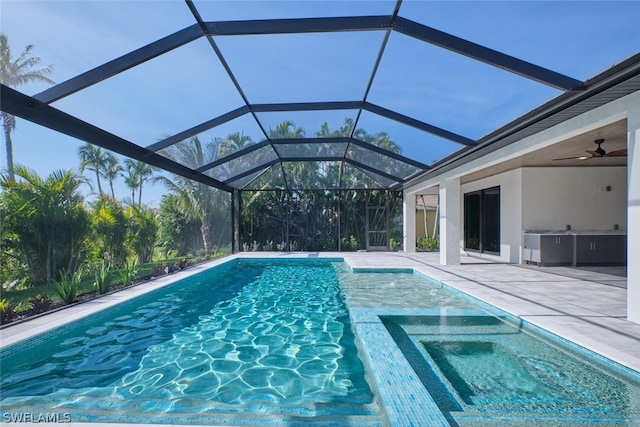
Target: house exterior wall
[(624, 108), (556, 197), (533, 199), (510, 184)]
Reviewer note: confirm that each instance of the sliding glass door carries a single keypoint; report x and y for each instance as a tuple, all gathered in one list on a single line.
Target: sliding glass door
[(482, 220)]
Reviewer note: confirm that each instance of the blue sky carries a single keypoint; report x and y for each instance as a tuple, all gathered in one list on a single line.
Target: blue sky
[(188, 86)]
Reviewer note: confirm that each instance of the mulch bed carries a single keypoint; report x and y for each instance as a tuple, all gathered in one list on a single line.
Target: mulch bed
[(57, 305)]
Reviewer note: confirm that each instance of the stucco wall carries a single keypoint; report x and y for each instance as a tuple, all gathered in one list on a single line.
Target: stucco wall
[(555, 197), (551, 198), (431, 221), (510, 212)]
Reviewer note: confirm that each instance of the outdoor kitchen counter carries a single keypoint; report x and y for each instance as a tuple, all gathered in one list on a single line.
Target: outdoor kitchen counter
[(575, 247)]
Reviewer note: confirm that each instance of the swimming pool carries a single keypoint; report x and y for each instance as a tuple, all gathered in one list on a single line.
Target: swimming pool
[(250, 341), (200, 351)]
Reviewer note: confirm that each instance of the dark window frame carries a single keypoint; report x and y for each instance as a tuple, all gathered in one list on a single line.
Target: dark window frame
[(484, 229)]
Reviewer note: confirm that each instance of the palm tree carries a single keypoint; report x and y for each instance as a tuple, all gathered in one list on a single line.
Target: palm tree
[(141, 173), (225, 147), (196, 200), (95, 159), (14, 73), (298, 173), (235, 142), (130, 180), (112, 171), (286, 129)]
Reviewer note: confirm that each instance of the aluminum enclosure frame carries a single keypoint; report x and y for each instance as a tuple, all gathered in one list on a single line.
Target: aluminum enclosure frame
[(38, 109)]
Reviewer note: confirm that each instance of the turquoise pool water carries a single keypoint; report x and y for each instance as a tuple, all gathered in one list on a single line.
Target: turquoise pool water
[(486, 370), (269, 342), (249, 341)]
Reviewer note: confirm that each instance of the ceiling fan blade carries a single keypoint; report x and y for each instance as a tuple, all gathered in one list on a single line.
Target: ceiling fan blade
[(617, 153), (574, 158), (594, 153)]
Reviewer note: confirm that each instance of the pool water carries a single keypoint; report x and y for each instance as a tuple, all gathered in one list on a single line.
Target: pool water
[(262, 340), (487, 370)]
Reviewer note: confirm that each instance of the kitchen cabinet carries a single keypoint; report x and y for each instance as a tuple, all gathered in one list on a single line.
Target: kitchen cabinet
[(576, 248), (548, 249), (595, 249)]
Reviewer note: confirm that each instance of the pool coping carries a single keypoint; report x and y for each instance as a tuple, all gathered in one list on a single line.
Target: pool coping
[(395, 380)]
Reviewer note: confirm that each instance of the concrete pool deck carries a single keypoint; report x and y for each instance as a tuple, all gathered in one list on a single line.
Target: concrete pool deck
[(585, 307)]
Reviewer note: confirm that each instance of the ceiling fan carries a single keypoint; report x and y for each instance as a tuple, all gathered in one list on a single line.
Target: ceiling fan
[(598, 152)]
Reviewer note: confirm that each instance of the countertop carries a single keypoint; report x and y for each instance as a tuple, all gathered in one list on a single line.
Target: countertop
[(578, 232)]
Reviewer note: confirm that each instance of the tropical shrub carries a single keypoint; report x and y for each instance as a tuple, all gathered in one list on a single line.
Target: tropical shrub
[(178, 232), (350, 244), (142, 232), (427, 244), (45, 221), (40, 303), (109, 231), (101, 275), (394, 244), (128, 273), (7, 310), (68, 285)]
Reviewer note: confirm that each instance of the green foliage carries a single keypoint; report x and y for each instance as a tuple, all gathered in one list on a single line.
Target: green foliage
[(68, 285), (128, 273), (138, 173), (102, 277), (95, 159), (178, 231), (311, 218), (196, 201), (253, 247), (46, 222), (427, 244), (142, 232), (7, 310), (315, 219), (349, 245), (395, 244), (321, 243), (40, 303), (109, 231)]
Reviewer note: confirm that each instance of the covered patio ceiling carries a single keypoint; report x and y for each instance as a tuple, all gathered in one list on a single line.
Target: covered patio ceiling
[(334, 129)]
